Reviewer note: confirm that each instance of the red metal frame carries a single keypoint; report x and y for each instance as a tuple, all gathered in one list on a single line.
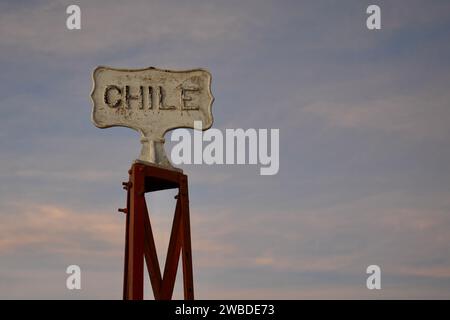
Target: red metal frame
[(139, 241)]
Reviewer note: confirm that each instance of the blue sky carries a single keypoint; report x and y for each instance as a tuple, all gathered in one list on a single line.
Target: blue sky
[(364, 146)]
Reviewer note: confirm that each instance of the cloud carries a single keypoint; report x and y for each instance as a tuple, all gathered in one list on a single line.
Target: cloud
[(110, 26), (419, 116), (406, 239), (308, 68), (316, 248), (82, 175), (58, 230)]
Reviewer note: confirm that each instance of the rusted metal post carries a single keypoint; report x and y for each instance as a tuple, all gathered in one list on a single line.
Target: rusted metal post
[(136, 236), (139, 240), (127, 227), (187, 251)]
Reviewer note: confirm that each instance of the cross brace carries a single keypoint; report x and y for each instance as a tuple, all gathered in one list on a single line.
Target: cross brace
[(139, 241)]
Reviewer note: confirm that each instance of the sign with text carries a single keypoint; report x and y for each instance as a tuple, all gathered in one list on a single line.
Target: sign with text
[(151, 101)]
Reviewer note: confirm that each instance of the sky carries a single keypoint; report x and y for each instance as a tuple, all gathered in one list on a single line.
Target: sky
[(363, 117)]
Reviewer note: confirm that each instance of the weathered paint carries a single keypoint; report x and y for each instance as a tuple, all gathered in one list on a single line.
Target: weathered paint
[(151, 101)]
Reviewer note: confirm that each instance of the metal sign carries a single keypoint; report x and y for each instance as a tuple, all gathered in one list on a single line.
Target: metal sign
[(151, 101)]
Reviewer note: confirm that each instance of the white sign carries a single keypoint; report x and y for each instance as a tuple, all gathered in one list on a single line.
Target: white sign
[(151, 101)]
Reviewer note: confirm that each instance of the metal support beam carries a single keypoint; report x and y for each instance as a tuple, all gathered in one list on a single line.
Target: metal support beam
[(139, 240)]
